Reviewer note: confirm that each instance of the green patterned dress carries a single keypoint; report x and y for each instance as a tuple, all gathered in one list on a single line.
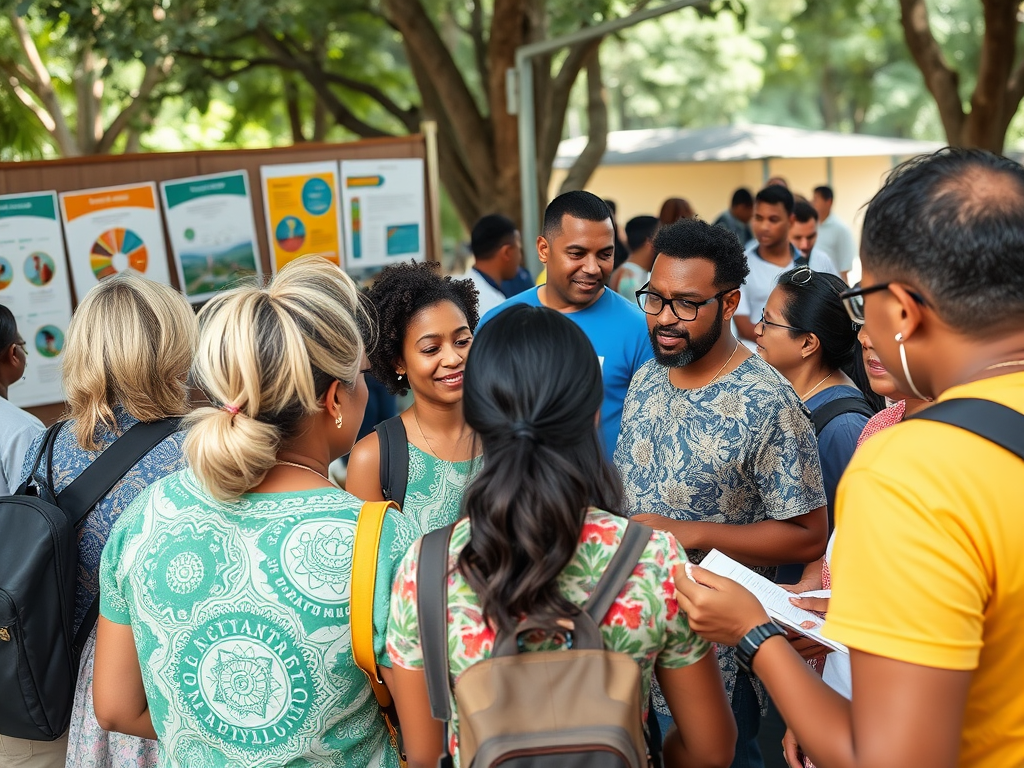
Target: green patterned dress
[(240, 613), (433, 496)]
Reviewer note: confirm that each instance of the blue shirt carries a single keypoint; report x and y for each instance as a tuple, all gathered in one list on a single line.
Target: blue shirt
[(521, 282), (618, 331), (837, 441)]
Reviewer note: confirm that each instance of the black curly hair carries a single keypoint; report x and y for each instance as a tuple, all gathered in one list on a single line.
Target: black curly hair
[(398, 293)]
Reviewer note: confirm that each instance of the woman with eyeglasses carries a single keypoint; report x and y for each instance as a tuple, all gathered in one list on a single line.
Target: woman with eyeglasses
[(807, 335)]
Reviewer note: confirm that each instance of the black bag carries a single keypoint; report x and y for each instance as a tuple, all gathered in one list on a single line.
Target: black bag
[(39, 655), (394, 459), (995, 422), (823, 414)]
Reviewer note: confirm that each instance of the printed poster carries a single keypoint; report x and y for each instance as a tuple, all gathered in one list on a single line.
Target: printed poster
[(385, 211), (212, 232), (303, 216), (111, 229), (34, 286)]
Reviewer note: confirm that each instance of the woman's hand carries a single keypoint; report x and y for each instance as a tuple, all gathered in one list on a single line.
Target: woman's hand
[(791, 750), (805, 646), (718, 608)]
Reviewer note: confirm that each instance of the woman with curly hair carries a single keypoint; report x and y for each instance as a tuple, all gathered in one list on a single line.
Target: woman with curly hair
[(425, 328)]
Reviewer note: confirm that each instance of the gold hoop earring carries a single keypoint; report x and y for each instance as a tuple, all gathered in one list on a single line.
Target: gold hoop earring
[(338, 422)]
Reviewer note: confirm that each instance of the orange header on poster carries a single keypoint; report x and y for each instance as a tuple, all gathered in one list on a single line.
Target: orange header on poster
[(125, 197)]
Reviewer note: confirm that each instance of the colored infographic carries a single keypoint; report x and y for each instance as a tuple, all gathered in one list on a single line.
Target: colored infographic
[(113, 229), (303, 215), (385, 211), (213, 232), (116, 250), (34, 285)]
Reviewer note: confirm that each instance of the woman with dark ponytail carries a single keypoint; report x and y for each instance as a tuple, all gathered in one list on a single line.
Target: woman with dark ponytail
[(806, 334), (542, 523)]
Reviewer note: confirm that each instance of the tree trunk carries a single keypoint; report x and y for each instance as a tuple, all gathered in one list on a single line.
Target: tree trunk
[(597, 129)]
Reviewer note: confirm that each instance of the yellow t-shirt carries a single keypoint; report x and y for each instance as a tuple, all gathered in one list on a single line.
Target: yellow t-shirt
[(928, 565)]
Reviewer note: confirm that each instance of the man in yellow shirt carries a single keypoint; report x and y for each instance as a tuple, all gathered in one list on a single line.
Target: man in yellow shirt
[(928, 570)]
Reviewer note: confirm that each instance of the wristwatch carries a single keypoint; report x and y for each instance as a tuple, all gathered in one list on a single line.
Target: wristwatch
[(748, 645)]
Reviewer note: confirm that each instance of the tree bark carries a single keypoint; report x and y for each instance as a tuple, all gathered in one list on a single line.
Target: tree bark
[(991, 110), (597, 129), (294, 110), (942, 81)]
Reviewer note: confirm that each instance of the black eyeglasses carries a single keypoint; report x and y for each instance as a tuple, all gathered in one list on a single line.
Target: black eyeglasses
[(762, 321), (654, 303), (853, 299)]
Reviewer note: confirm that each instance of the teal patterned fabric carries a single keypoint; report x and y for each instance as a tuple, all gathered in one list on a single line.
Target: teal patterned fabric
[(240, 616), (433, 496)]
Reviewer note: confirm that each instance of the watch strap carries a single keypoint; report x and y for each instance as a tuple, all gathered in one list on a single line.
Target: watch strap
[(752, 641)]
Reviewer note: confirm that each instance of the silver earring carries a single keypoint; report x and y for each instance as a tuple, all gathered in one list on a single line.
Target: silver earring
[(906, 370), (399, 377)]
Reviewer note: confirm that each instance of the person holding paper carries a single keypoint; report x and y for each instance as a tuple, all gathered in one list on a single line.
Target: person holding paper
[(928, 592), (716, 448)]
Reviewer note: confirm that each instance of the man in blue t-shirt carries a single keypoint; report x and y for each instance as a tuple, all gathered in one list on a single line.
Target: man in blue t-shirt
[(578, 246)]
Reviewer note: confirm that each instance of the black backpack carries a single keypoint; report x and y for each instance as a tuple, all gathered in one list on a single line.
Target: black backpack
[(39, 651), (823, 414), (394, 459)]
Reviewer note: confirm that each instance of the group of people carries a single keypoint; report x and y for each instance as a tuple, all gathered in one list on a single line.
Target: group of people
[(538, 427)]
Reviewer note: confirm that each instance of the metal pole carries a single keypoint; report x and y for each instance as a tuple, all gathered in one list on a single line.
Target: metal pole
[(527, 112)]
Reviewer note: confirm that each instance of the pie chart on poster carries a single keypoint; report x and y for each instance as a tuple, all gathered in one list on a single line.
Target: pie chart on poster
[(290, 234), (117, 250)]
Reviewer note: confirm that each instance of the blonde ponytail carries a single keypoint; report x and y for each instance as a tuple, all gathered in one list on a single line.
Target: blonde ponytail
[(265, 359)]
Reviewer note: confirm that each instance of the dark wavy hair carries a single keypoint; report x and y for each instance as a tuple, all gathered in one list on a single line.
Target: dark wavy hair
[(813, 304), (532, 390), (398, 293)]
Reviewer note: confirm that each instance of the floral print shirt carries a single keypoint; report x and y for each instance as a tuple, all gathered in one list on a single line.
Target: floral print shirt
[(644, 621)]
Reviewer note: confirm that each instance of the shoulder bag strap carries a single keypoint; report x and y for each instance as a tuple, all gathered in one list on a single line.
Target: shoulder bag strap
[(995, 422), (78, 499), (634, 541), (432, 612), (394, 458), (823, 414), (364, 582)]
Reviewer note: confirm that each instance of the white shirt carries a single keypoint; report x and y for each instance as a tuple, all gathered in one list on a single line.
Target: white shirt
[(836, 239), (18, 429), (490, 297), (764, 275)]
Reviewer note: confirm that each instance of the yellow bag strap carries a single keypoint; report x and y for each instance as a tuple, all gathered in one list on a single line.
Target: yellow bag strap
[(364, 579)]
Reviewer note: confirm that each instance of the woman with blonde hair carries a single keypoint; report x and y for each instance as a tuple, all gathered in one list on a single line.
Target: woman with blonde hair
[(125, 361), (224, 627)]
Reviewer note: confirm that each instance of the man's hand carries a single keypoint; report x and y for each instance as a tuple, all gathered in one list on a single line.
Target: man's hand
[(791, 750), (718, 608)]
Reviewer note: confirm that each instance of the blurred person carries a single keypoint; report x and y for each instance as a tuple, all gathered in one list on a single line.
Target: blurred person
[(423, 336), (804, 232), (737, 218), (498, 255), (716, 448), (927, 590), (126, 359), (577, 247), (770, 256), (834, 237), (674, 209), (18, 428), (636, 270), (777, 181), (621, 246), (543, 522), (226, 587)]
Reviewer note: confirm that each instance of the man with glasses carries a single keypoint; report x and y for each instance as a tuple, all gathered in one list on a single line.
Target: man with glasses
[(716, 448), (18, 428), (577, 246)]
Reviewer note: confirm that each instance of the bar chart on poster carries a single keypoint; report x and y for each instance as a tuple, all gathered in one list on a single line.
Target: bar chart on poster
[(385, 211), (34, 286)]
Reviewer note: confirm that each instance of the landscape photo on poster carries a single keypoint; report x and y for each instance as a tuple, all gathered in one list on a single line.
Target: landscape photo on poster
[(212, 232)]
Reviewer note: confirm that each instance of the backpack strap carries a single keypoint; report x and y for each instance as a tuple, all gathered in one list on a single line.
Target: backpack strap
[(823, 414), (634, 541), (364, 583), (78, 499), (394, 459), (995, 422), (45, 449), (432, 613)]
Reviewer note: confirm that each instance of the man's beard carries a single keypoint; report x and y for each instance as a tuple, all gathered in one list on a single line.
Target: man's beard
[(695, 349)]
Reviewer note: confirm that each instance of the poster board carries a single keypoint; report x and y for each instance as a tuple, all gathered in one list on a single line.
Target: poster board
[(212, 232), (34, 286), (303, 215), (111, 229), (385, 211)]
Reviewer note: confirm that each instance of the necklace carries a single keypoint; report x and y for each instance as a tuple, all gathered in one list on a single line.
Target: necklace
[(715, 377), (1007, 364), (303, 466), (430, 445), (817, 385)]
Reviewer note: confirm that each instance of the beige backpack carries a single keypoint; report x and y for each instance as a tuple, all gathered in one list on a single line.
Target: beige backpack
[(570, 708)]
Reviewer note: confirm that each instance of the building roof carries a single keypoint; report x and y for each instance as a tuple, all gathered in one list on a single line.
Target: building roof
[(737, 143)]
